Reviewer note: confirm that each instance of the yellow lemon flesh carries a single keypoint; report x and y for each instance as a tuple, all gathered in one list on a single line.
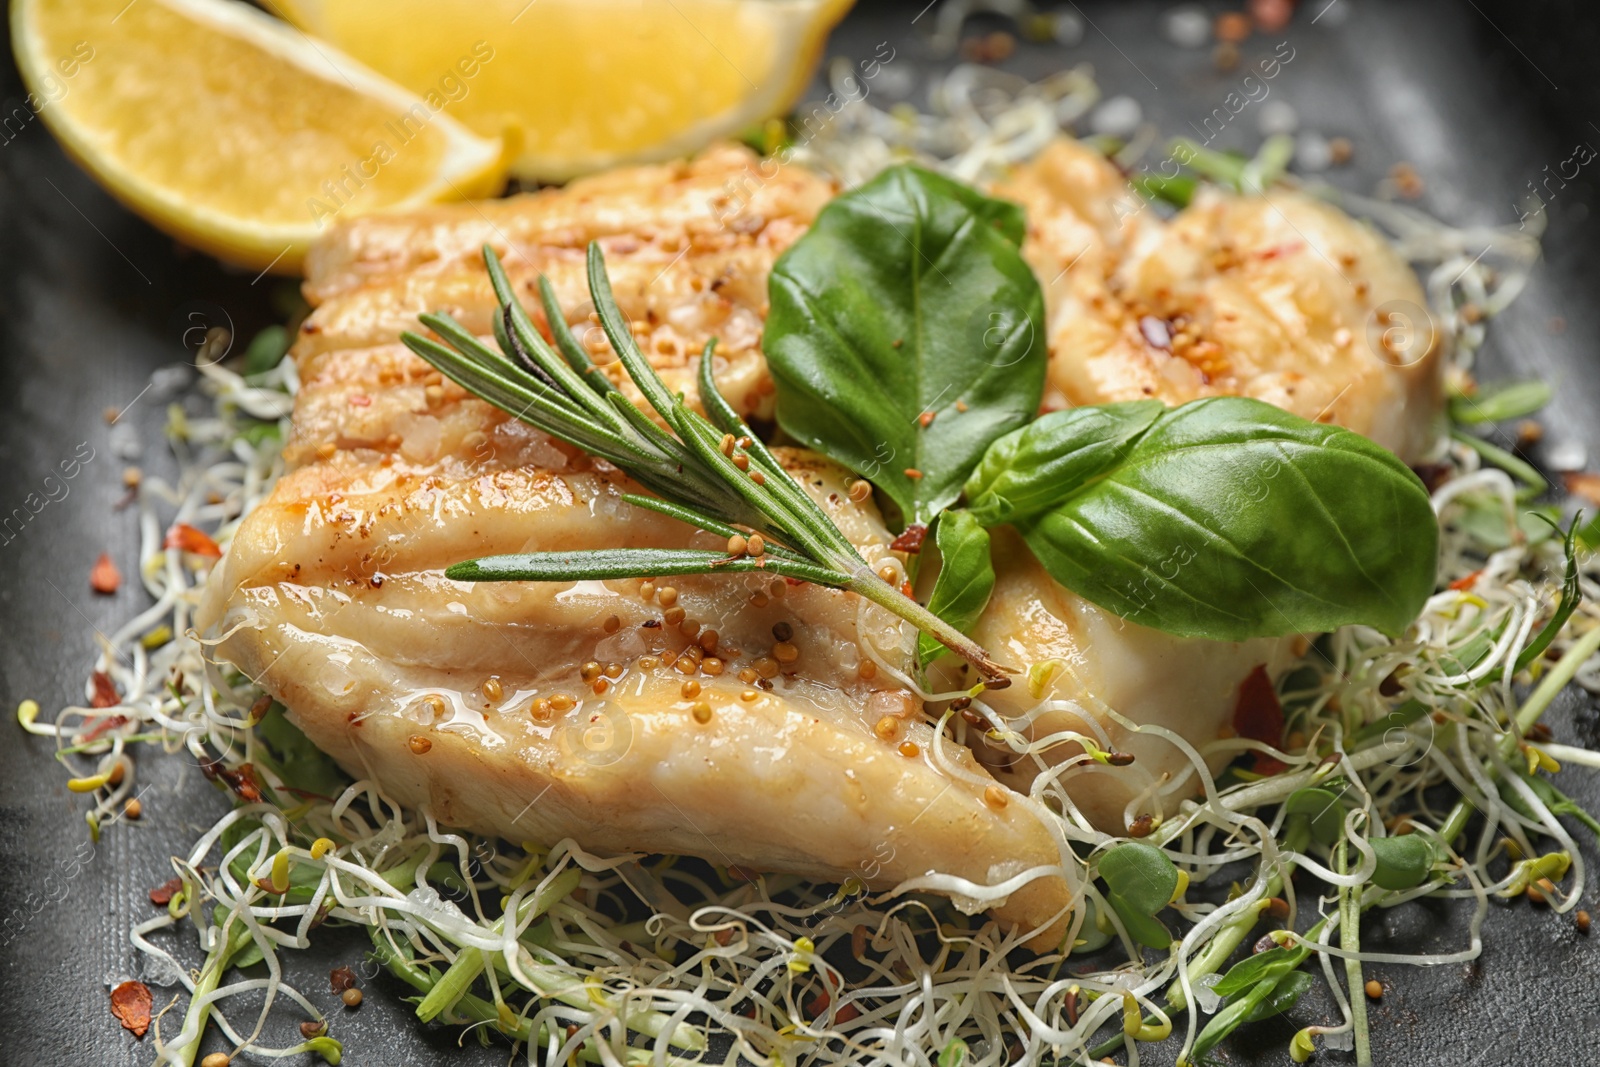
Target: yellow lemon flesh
[(580, 85), (235, 131)]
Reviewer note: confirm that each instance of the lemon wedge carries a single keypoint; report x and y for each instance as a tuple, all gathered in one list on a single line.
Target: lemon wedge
[(233, 130), (582, 85)]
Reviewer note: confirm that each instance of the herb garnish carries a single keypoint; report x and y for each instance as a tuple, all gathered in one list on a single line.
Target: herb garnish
[(713, 473), (905, 338)]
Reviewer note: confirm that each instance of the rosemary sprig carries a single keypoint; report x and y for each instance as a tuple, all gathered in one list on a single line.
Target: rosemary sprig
[(710, 471)]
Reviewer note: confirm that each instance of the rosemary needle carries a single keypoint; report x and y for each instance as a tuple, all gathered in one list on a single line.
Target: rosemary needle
[(565, 395)]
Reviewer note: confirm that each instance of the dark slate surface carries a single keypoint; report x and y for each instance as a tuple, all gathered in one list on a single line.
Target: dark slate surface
[(1481, 97)]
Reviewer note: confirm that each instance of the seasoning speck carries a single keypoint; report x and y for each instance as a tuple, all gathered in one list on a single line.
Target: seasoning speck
[(419, 744)]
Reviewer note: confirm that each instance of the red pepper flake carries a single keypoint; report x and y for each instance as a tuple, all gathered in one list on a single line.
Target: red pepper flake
[(925, 419), (130, 1003), (104, 578), (846, 1014), (1466, 581), (911, 540), (342, 978), (1584, 484), (105, 692), (162, 894), (360, 400), (1259, 717), (186, 537), (1278, 251), (818, 1004)]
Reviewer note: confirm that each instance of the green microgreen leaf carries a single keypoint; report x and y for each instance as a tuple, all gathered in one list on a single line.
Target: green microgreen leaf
[(1499, 402), (1140, 881), (1403, 862), (266, 350), (1288, 991), (1323, 810), (965, 580), (906, 333)]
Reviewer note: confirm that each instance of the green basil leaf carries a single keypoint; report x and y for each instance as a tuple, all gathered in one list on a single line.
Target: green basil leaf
[(907, 298), (1027, 472), (966, 578), (1231, 519), (1499, 402), (1290, 988), (1403, 862)]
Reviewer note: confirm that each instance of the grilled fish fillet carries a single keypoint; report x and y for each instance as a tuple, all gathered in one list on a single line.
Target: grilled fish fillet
[(483, 703)]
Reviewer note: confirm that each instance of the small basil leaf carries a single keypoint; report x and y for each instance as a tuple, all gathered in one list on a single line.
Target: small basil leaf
[(1231, 519), (1031, 470), (966, 578), (1290, 988), (1499, 402), (906, 333), (1403, 862), (1323, 810)]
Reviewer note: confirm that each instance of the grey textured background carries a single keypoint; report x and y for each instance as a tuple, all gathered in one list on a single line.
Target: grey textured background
[(1480, 97)]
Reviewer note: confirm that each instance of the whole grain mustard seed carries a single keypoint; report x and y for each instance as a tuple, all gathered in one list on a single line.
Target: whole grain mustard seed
[(419, 744), (613, 670), (600, 686), (726, 445), (133, 808), (708, 640), (216, 1059), (493, 691), (562, 702), (589, 671), (868, 669), (691, 689), (351, 998), (1374, 989), (712, 665), (782, 631), (995, 797), (758, 477), (910, 750), (674, 616), (756, 545), (435, 705), (540, 710), (887, 728), (1582, 921), (736, 545), (647, 590), (766, 667), (748, 675), (702, 712), (784, 652), (667, 596), (611, 625), (748, 695)]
